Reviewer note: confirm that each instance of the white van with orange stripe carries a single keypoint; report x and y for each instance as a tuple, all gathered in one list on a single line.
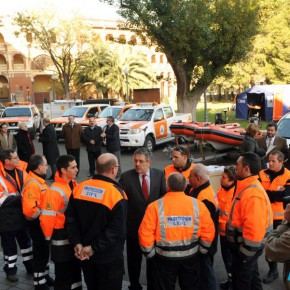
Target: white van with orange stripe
[(147, 124)]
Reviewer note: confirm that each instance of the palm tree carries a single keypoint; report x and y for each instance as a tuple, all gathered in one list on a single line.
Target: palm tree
[(104, 67)]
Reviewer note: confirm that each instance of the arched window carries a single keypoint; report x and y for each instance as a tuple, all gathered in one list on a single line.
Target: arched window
[(109, 37), (122, 39), (153, 58), (2, 39), (133, 40), (161, 58), (2, 59)]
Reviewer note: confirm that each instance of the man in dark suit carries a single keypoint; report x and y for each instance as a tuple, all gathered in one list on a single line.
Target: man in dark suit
[(142, 185), (93, 140), (49, 144), (271, 139), (113, 140)]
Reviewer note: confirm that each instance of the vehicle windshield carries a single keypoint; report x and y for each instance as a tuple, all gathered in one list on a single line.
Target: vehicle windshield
[(109, 111), (283, 128), (137, 115), (75, 111), (16, 112)]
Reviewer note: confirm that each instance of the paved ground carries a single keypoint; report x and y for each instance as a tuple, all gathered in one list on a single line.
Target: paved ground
[(161, 159)]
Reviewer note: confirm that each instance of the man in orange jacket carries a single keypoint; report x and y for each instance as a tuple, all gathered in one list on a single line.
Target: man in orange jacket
[(174, 230), (32, 192), (52, 219), (203, 191), (12, 221), (180, 162), (276, 182), (249, 222)]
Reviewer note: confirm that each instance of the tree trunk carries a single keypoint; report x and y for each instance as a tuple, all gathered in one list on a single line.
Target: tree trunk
[(186, 100), (66, 87)]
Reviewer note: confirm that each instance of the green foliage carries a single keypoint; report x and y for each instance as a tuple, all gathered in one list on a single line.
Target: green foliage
[(61, 39), (104, 67), (269, 59), (198, 37)]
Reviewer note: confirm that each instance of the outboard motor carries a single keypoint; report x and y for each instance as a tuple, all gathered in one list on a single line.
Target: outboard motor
[(219, 119)]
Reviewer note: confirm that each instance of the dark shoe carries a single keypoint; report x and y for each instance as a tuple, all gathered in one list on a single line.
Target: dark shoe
[(49, 281), (227, 284), (12, 278), (271, 276)]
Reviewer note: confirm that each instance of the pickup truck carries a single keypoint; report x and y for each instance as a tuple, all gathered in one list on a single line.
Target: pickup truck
[(81, 113), (25, 112), (116, 111), (148, 125)]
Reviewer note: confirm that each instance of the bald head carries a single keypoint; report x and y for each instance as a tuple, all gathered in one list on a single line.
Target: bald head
[(198, 176), (107, 164)]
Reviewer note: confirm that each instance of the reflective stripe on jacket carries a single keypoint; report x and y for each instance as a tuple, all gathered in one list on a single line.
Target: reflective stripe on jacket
[(280, 180), (225, 197), (32, 193), (54, 204), (251, 217), (176, 226), (170, 169)]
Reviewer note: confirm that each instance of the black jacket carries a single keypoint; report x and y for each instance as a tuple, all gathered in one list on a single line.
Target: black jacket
[(49, 144), (93, 134), (98, 222), (112, 138), (137, 204), (24, 148)]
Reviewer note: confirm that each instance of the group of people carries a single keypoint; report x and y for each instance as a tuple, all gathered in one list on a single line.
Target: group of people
[(173, 217)]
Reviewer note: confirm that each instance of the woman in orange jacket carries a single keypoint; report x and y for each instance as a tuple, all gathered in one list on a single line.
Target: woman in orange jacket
[(225, 195)]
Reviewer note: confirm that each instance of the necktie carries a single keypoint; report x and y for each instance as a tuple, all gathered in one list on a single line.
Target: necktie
[(145, 187), (270, 142)]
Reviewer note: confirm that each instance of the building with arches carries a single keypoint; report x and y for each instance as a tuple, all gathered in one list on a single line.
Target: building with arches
[(23, 69)]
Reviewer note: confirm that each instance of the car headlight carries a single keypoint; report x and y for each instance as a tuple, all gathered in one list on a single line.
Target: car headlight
[(135, 131)]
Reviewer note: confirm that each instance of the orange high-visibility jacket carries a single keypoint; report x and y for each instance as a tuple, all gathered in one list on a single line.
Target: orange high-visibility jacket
[(54, 204), (8, 187), (170, 169), (225, 197), (279, 181), (32, 192), (22, 165), (251, 217), (176, 226)]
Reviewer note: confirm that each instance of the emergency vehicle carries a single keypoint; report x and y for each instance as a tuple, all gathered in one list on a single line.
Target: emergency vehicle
[(81, 113), (147, 124), (57, 108), (116, 111), (18, 112)]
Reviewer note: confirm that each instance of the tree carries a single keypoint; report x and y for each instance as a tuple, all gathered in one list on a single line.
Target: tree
[(199, 38), (104, 66), (61, 39)]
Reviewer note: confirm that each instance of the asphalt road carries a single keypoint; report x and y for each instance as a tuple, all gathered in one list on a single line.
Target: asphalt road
[(160, 160)]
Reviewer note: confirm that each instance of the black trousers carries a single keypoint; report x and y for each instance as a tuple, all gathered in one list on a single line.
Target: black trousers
[(107, 276), (68, 275), (246, 274), (76, 154), (118, 155), (226, 254), (93, 156), (8, 242), (40, 249), (167, 271), (134, 261)]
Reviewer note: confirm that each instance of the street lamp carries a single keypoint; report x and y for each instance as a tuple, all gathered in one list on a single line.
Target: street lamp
[(32, 90), (53, 77), (28, 93), (127, 84)]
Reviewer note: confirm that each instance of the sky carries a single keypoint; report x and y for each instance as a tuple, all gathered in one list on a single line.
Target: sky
[(87, 8)]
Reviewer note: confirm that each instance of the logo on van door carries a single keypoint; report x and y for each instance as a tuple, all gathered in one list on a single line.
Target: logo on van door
[(161, 130)]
